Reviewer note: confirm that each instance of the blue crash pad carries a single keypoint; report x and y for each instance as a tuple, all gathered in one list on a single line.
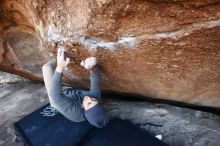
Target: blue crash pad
[(47, 127)]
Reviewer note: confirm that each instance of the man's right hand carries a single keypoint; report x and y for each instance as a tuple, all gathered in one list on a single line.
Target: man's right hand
[(89, 62), (61, 62)]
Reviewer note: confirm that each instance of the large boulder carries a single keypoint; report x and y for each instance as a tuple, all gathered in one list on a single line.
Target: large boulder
[(165, 49)]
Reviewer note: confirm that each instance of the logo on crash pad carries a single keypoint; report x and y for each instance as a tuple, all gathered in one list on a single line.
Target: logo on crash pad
[(49, 111)]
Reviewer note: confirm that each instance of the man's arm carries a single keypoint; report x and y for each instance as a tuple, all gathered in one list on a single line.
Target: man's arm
[(91, 64), (95, 83), (63, 104)]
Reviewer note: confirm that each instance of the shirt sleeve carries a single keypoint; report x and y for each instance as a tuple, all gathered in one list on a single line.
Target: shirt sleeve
[(64, 104), (95, 83)]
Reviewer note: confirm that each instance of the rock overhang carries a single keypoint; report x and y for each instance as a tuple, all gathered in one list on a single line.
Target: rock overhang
[(162, 49)]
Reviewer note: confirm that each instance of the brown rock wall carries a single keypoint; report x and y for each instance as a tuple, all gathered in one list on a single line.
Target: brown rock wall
[(164, 49), (22, 50)]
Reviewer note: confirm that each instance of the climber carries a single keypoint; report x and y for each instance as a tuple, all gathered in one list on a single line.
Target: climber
[(76, 105)]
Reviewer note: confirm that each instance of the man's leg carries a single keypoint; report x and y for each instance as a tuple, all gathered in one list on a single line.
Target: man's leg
[(48, 70)]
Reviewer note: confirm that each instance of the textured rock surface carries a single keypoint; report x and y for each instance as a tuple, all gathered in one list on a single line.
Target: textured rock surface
[(178, 126), (164, 49), (10, 78)]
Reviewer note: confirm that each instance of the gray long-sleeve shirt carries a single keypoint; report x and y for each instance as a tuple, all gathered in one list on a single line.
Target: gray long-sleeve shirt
[(68, 100)]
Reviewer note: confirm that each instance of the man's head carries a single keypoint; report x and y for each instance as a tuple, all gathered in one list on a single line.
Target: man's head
[(94, 112), (88, 102)]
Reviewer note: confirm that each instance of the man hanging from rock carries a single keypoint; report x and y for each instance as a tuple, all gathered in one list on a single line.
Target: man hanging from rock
[(75, 105)]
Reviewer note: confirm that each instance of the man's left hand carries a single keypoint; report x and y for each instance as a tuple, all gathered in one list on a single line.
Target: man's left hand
[(89, 63)]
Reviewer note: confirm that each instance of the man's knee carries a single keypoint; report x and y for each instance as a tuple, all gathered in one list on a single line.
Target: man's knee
[(45, 66), (49, 64)]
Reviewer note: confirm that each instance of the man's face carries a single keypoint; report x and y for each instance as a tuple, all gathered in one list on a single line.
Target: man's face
[(89, 102)]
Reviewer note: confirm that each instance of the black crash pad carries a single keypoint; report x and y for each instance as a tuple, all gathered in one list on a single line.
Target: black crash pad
[(47, 127)]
